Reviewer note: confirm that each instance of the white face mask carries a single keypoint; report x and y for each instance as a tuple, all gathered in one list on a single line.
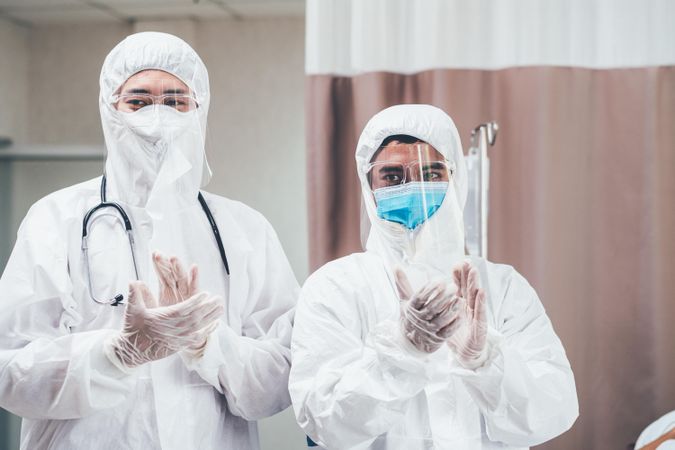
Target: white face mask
[(157, 123)]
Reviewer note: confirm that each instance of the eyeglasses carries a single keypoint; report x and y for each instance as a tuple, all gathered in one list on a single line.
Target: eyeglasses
[(389, 173), (134, 102)]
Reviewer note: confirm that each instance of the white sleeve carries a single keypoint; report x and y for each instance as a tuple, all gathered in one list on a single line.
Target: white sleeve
[(525, 390), (251, 370), (347, 389), (47, 371)]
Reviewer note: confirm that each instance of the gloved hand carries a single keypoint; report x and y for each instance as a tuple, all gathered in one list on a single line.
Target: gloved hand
[(430, 316), (175, 285), (469, 342), (153, 332)]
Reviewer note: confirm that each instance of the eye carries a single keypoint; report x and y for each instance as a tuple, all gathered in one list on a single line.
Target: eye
[(174, 102), (392, 178), (136, 103), (435, 172)]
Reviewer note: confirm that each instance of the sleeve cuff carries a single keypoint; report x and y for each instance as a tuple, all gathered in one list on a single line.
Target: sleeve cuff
[(105, 362), (211, 355), (490, 356), (392, 347)]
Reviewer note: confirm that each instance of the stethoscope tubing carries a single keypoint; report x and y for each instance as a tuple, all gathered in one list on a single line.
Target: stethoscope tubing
[(124, 219)]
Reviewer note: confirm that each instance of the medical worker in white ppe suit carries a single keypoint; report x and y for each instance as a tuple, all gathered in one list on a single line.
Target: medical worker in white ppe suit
[(410, 344), (192, 356)]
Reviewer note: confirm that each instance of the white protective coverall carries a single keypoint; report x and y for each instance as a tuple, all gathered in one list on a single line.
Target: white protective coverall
[(357, 383), (53, 372), (656, 430)]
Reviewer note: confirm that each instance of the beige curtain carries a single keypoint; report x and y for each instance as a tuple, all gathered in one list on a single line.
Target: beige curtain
[(582, 203)]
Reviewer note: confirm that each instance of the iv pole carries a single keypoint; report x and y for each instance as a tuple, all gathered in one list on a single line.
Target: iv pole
[(482, 137)]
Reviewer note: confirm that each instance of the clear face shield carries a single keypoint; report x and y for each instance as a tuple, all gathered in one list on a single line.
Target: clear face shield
[(417, 220), (159, 123)]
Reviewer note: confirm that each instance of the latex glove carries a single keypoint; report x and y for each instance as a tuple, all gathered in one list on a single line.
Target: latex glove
[(429, 316), (175, 285), (469, 342), (153, 332)]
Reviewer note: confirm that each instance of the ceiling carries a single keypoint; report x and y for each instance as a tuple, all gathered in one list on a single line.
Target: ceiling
[(36, 12)]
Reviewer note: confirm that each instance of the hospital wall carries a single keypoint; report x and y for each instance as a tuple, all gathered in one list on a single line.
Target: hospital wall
[(255, 143)]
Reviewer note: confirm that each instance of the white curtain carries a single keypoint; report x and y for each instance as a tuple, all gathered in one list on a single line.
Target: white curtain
[(348, 37)]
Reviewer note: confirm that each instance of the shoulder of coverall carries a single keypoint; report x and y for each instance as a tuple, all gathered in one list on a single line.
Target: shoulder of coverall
[(250, 220), (51, 211), (509, 292), (339, 291), (502, 272), (332, 275), (49, 221)]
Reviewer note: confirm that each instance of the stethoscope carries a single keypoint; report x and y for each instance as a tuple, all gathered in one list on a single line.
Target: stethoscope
[(124, 219)]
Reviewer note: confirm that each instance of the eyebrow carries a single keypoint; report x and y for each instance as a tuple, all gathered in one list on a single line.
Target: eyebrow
[(390, 169), (136, 91), (433, 165), (145, 91)]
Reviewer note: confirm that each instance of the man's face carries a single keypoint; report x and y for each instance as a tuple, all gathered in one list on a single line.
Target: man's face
[(154, 86), (409, 162)]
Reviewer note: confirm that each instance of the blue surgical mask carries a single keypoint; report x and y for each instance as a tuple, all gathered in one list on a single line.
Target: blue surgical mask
[(410, 204)]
